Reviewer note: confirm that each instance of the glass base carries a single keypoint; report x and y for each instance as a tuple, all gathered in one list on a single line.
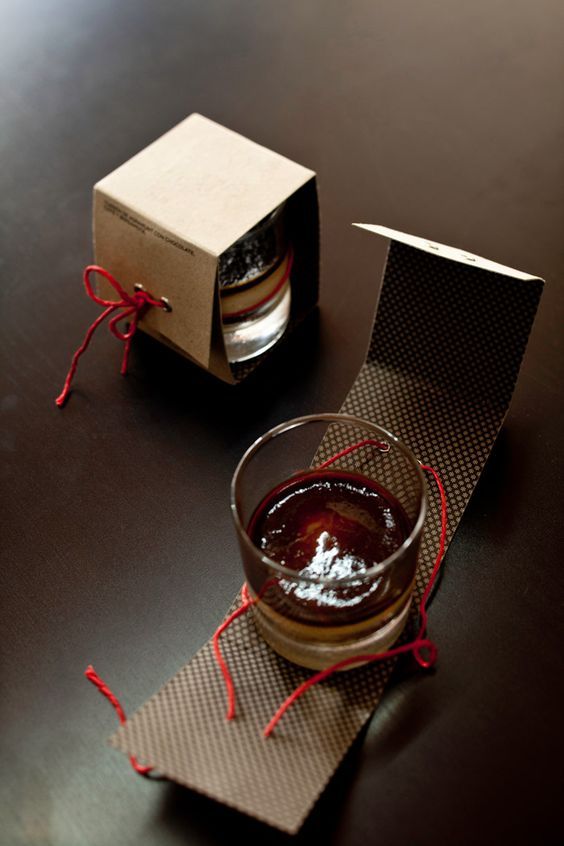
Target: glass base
[(318, 654), (255, 335)]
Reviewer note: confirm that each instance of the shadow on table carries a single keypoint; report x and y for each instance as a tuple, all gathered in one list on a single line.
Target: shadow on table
[(181, 385)]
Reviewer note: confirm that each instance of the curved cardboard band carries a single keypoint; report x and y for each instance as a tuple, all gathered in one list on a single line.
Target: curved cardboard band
[(445, 351)]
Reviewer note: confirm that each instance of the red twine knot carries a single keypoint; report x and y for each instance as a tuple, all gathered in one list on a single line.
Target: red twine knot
[(129, 305)]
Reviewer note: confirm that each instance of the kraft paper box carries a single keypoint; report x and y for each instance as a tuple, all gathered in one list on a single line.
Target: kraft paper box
[(164, 218)]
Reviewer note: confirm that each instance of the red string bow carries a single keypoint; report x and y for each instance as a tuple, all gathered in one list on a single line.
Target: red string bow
[(129, 305)]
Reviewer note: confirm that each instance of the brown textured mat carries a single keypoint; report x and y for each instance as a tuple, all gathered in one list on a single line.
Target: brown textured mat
[(446, 348)]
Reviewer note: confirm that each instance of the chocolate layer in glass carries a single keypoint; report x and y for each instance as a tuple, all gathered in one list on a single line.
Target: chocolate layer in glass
[(332, 525)]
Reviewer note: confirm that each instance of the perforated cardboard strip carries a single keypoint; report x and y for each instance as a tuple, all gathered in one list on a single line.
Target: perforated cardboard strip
[(446, 348)]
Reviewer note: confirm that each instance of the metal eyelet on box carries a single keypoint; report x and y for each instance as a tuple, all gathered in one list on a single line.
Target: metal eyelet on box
[(164, 300)]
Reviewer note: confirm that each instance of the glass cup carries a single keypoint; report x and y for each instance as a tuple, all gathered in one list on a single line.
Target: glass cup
[(254, 286), (319, 598)]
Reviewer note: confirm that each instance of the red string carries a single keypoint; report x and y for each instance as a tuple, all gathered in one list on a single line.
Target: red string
[(383, 447), (230, 687), (129, 305), (247, 602), (93, 677)]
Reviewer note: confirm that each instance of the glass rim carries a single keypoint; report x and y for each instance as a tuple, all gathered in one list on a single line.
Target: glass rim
[(381, 566)]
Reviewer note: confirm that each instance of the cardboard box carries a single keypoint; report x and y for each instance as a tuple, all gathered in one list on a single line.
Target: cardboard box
[(164, 218)]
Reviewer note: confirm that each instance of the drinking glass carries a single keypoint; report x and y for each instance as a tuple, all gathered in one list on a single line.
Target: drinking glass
[(317, 618), (255, 289)]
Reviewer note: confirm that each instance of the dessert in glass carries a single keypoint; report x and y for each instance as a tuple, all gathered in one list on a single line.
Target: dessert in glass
[(329, 512)]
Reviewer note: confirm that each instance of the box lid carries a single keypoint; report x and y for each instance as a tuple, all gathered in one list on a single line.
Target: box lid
[(205, 183)]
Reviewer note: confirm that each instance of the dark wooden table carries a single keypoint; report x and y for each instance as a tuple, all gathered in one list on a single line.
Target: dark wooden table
[(444, 120)]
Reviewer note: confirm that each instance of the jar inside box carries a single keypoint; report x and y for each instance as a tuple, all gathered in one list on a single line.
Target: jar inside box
[(255, 291)]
